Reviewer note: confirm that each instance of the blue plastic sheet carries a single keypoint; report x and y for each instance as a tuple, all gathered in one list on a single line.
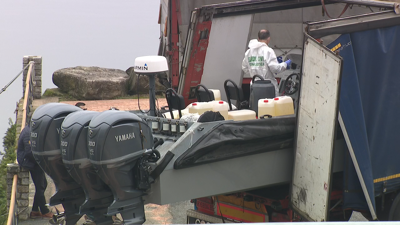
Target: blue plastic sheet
[(370, 108)]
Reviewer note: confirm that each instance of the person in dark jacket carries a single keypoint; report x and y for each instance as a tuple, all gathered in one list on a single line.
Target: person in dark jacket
[(26, 160)]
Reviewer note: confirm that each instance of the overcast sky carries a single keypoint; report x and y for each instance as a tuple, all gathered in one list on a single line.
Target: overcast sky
[(69, 33)]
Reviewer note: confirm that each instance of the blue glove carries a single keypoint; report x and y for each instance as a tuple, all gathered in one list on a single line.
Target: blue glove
[(279, 59), (288, 62)]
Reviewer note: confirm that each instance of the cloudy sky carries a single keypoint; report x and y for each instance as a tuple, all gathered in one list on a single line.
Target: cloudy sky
[(68, 33)]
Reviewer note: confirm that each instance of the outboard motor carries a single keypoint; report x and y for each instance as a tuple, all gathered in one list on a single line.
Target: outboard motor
[(119, 143), (260, 89), (75, 155), (45, 141)]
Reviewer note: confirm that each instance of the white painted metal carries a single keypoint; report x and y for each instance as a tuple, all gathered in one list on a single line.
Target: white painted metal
[(357, 167), (163, 14), (163, 21), (317, 116), (225, 52)]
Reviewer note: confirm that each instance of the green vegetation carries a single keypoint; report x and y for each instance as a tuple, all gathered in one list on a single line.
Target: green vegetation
[(9, 156), (55, 92)]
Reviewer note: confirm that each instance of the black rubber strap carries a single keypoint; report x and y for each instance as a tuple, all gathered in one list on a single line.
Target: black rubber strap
[(141, 135), (164, 162)]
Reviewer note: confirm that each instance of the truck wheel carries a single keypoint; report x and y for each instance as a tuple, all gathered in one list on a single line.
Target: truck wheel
[(394, 214)]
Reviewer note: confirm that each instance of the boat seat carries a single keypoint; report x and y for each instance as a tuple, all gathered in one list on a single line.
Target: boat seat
[(233, 92), (217, 94), (175, 101)]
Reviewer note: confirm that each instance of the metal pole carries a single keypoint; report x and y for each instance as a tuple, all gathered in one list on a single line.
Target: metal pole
[(381, 4), (152, 94), (4, 88), (11, 212)]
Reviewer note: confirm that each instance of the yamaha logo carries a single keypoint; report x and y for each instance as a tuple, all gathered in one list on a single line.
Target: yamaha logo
[(145, 67), (125, 137)]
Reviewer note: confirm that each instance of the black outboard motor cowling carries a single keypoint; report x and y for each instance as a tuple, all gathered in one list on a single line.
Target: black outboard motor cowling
[(45, 141), (75, 155), (117, 141)]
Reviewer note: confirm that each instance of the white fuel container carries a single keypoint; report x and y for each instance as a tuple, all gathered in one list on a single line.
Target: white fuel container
[(221, 107), (243, 114), (217, 94), (283, 106), (200, 107), (266, 106), (176, 113)]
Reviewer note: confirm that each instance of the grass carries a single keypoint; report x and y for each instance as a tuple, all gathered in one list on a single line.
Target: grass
[(56, 92)]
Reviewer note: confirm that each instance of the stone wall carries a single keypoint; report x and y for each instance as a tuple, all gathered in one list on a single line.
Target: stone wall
[(22, 192), (37, 79)]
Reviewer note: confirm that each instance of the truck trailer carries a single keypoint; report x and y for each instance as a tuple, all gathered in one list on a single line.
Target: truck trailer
[(209, 45), (337, 151)]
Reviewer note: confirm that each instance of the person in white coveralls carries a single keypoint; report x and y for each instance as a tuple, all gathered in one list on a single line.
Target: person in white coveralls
[(261, 59)]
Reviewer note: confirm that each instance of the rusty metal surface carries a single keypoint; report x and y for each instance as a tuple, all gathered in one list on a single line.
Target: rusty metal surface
[(173, 43), (197, 57)]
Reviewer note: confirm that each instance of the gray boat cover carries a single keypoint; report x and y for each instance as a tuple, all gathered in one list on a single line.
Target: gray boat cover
[(232, 139)]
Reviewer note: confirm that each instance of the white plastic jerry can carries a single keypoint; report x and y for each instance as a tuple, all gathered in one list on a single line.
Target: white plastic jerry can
[(283, 106), (217, 94), (266, 106), (221, 107), (200, 107)]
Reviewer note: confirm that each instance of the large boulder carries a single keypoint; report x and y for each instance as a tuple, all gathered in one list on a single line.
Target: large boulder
[(140, 84), (92, 83)]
